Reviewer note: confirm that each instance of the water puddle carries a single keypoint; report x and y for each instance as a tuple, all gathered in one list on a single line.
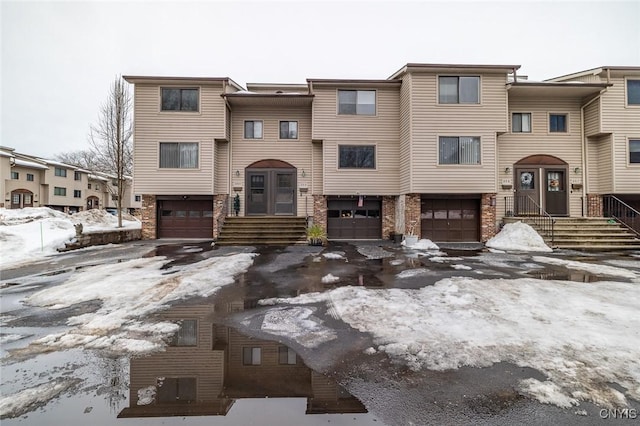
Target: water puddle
[(581, 277)]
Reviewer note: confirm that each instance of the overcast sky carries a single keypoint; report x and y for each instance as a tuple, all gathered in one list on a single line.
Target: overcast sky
[(59, 58)]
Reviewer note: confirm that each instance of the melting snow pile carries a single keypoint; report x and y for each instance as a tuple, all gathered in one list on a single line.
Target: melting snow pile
[(518, 236), (26, 400), (423, 244), (34, 232), (146, 395), (582, 336), (298, 324), (119, 324)]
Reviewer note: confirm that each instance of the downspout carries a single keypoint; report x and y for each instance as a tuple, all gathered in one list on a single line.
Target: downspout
[(585, 148)]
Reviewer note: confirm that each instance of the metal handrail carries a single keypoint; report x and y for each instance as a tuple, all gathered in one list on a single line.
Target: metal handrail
[(525, 206), (625, 214)]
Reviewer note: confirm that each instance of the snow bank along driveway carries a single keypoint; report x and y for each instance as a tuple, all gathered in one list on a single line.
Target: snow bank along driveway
[(582, 336)]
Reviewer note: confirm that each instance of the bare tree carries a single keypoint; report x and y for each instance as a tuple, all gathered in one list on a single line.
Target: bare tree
[(87, 159), (110, 138)]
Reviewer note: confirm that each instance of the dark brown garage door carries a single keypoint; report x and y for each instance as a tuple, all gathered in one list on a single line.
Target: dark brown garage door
[(450, 219), (348, 220), (185, 219)]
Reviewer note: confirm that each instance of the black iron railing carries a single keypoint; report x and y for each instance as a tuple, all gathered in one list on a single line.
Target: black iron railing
[(524, 206), (615, 208)]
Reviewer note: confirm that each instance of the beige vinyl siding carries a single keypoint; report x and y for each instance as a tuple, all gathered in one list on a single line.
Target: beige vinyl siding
[(623, 122), (592, 122), (221, 168), (431, 120), (567, 146), (317, 169), (296, 152), (205, 364), (599, 165), (381, 130), (405, 134), (153, 127)]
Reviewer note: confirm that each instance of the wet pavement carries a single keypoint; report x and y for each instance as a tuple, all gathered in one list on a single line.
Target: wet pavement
[(236, 373)]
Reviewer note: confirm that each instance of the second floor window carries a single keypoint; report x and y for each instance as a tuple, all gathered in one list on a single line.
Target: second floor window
[(251, 356), (15, 175), (558, 123), (187, 334), (178, 155), (59, 191), (60, 172), (29, 177), (77, 176), (358, 102), (459, 90), (253, 129), (521, 122), (174, 99), (634, 151), (633, 92), (357, 157), (459, 150), (288, 130), (77, 193)]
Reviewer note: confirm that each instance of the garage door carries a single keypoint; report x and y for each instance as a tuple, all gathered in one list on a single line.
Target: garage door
[(450, 219), (185, 219), (350, 219)]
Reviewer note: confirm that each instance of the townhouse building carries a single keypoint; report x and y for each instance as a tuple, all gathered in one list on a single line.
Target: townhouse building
[(30, 181), (443, 151)]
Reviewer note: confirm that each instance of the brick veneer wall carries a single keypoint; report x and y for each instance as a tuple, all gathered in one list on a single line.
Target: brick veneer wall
[(149, 219), (488, 216), (220, 209), (320, 211), (594, 205), (412, 214), (388, 215)]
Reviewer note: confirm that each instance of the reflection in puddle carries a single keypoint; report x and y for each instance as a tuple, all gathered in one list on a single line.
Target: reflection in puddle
[(580, 277), (208, 367)]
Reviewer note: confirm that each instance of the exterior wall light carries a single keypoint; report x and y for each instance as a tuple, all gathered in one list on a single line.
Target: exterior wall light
[(507, 170), (237, 173), (577, 170), (303, 173)]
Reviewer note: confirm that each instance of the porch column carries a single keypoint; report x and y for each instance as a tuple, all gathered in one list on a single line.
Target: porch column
[(388, 216), (412, 215), (220, 209), (594, 205), (488, 216), (320, 211), (149, 219)]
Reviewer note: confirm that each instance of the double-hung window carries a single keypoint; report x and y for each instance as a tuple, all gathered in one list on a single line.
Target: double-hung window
[(60, 172), (521, 122), (59, 191), (77, 176), (459, 90), (253, 129), (357, 157), (29, 177), (459, 150), (634, 151), (558, 123), (175, 99), (251, 356), (15, 175), (77, 193), (633, 92), (357, 102), (288, 130), (178, 155)]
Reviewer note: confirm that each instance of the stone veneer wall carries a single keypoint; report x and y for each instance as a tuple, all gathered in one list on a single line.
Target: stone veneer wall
[(412, 215), (149, 219), (388, 216), (594, 205), (220, 209), (320, 211), (488, 216)]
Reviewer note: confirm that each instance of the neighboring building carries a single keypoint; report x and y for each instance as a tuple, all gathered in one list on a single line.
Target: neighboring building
[(441, 151), (29, 181)]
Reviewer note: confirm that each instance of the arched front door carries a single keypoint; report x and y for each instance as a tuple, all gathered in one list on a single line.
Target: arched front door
[(21, 198), (270, 188), (93, 202), (543, 179)]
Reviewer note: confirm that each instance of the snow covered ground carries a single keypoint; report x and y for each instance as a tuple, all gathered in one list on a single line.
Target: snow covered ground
[(35, 232), (518, 236), (582, 336)]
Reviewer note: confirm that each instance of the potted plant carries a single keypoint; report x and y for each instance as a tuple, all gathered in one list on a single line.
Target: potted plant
[(411, 238), (316, 235)]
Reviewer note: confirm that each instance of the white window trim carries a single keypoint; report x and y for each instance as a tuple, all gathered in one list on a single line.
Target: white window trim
[(244, 137), (185, 169), (286, 121), (357, 169), (173, 86), (480, 84), (626, 96), (375, 114), (565, 133), (457, 166)]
